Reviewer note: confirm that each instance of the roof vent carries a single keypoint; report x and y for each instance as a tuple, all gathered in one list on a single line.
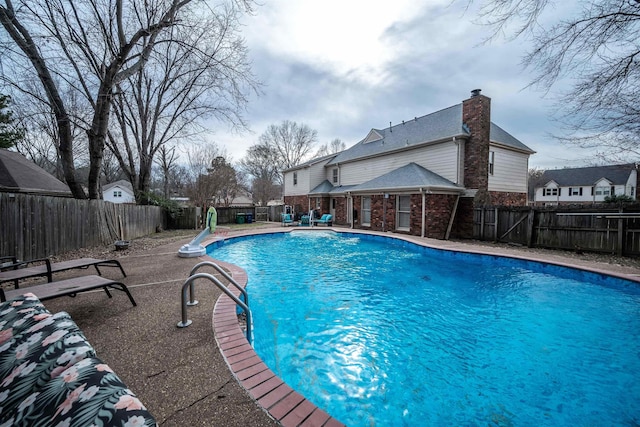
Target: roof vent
[(475, 92)]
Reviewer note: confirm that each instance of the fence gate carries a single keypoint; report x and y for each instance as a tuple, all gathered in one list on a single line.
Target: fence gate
[(262, 213)]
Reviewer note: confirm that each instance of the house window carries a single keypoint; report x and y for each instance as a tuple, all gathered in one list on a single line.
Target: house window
[(117, 194), (366, 211), (335, 176), (404, 212), (573, 191), (603, 191), (550, 192), (492, 158), (295, 178)]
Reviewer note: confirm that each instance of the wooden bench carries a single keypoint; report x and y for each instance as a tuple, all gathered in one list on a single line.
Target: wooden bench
[(68, 287), (17, 271)]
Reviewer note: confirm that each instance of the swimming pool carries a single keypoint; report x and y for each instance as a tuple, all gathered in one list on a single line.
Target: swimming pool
[(378, 331)]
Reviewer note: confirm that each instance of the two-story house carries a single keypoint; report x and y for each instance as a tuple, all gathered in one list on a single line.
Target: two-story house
[(586, 185), (422, 176)]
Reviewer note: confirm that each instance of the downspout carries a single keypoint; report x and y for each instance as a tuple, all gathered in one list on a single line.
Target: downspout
[(424, 211), (453, 215)]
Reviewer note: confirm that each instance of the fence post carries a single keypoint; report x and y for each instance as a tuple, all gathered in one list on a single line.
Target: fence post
[(495, 225), (482, 223), (530, 227), (620, 233)]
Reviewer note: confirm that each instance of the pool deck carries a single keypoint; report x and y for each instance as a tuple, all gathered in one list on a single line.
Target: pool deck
[(191, 376)]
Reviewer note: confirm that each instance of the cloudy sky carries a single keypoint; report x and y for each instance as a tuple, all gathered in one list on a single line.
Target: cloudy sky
[(343, 67)]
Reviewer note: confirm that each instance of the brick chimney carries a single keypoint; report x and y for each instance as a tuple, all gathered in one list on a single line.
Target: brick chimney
[(476, 114)]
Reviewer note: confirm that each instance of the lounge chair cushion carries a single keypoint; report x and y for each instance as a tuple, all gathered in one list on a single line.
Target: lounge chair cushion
[(49, 373)]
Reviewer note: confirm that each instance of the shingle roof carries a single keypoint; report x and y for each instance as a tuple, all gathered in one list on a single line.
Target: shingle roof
[(410, 176), (617, 174), (433, 127), (123, 183), (324, 187), (19, 175)]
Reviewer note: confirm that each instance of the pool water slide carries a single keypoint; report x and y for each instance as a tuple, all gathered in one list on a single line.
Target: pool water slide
[(194, 248)]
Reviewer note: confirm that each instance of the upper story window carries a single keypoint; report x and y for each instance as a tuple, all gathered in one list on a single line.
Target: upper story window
[(117, 193), (295, 178), (492, 159), (335, 175), (550, 192)]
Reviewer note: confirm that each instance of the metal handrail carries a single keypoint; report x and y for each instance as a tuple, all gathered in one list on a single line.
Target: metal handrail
[(189, 284), (224, 274)]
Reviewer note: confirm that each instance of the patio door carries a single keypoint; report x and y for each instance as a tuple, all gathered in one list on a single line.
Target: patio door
[(332, 207)]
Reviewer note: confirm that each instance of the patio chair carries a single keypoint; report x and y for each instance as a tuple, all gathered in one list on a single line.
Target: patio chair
[(326, 219), (70, 287), (20, 270), (287, 219)]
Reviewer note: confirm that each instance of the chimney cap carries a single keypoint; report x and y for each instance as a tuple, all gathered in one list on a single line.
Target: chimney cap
[(475, 92)]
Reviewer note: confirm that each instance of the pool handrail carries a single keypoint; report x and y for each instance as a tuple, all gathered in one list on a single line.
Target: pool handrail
[(224, 274), (189, 282)]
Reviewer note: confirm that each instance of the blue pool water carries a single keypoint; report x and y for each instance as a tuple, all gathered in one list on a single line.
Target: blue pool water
[(381, 332)]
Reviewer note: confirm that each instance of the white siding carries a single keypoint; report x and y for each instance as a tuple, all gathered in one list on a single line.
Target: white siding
[(302, 186), (316, 175), (510, 171), (440, 158), (118, 194)]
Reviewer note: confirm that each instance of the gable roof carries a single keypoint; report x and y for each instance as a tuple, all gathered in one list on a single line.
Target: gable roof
[(311, 162), (439, 126), (123, 183), (409, 177), (616, 174), (20, 175)]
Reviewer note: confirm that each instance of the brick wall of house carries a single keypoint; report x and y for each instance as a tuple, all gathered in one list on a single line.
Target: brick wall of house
[(439, 208), (463, 222), (380, 214), (476, 114), (299, 203), (341, 211)]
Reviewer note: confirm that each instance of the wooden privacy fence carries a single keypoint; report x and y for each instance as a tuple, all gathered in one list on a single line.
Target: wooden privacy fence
[(193, 217), (40, 226), (605, 229)]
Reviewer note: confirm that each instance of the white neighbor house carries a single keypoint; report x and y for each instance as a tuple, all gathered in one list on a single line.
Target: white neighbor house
[(118, 192), (586, 185)]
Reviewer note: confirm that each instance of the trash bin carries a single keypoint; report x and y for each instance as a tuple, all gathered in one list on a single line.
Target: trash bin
[(240, 218), (249, 217)]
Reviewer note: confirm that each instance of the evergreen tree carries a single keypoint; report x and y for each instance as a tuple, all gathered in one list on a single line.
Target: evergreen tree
[(9, 133)]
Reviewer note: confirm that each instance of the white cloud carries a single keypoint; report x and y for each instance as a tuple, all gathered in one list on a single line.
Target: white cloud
[(343, 67)]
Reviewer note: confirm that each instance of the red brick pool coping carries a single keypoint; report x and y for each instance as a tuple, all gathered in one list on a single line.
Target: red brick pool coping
[(278, 399), (283, 403)]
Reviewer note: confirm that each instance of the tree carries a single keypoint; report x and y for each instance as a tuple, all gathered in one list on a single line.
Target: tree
[(599, 50), (9, 133), (534, 181), (201, 72), (287, 144), (261, 164), (89, 47), (334, 147)]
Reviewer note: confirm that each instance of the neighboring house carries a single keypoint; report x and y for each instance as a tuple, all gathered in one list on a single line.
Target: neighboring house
[(586, 185), (19, 175), (242, 200), (118, 192), (421, 177)]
